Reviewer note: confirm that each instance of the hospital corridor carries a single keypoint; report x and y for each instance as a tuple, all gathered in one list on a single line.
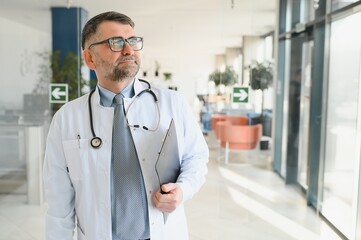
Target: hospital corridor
[(252, 106)]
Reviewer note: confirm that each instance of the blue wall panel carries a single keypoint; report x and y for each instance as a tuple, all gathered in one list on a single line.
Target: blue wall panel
[(67, 24)]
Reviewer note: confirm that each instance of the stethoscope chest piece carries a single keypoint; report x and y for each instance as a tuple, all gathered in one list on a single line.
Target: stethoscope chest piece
[(96, 142)]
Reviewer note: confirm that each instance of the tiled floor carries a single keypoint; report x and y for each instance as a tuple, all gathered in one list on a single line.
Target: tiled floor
[(248, 201), (245, 201), (20, 221)]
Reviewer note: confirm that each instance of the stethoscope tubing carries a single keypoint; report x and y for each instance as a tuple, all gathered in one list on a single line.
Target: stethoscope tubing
[(96, 142), (91, 112)]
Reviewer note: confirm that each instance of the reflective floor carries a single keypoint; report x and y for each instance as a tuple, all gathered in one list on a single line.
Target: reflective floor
[(246, 200), (242, 200)]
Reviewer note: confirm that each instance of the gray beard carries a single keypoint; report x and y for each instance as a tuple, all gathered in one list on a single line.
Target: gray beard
[(120, 74)]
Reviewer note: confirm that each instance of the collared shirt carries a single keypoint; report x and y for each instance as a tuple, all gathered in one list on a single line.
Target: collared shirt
[(106, 100), (106, 96)]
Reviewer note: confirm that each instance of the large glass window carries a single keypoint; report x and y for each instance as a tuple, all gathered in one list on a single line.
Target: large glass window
[(307, 11), (30, 60), (24, 99), (341, 156), (338, 4), (296, 12), (283, 15)]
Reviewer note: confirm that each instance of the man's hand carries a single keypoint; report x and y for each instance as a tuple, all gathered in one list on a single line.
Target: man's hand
[(168, 201)]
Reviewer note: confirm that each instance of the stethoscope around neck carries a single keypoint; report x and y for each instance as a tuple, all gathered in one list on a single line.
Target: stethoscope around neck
[(96, 142)]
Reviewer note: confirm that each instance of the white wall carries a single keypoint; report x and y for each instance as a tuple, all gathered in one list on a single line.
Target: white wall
[(19, 45), (189, 73)]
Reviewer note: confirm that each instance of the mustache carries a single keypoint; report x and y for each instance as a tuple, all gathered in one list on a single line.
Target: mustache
[(127, 58)]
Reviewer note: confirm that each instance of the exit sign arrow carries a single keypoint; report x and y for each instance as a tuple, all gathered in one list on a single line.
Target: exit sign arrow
[(58, 93), (240, 94)]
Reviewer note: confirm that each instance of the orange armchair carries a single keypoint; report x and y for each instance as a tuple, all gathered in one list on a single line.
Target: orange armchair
[(234, 120), (238, 137), (237, 120), (216, 118)]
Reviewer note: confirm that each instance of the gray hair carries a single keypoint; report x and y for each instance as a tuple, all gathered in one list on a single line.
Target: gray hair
[(91, 26)]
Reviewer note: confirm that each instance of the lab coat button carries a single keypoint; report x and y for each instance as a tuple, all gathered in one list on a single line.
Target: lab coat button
[(143, 159)]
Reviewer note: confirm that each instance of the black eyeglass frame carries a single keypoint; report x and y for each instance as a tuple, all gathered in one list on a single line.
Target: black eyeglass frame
[(126, 40)]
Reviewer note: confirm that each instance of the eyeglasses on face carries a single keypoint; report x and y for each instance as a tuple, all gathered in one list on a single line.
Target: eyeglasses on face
[(117, 44)]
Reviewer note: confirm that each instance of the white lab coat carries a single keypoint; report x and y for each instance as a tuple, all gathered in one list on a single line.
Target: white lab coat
[(82, 194)]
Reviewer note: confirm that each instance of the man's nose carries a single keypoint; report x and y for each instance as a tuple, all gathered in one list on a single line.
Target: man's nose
[(127, 49)]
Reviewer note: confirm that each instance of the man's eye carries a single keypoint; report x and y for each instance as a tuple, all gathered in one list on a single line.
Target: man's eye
[(118, 43), (132, 42)]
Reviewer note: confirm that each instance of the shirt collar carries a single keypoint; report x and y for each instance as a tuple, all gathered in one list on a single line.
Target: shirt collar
[(106, 96)]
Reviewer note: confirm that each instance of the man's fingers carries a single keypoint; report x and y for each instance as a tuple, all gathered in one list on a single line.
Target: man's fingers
[(168, 187), (168, 202), (164, 202)]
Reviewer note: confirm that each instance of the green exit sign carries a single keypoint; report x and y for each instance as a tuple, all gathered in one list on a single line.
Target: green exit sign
[(240, 94), (58, 92)]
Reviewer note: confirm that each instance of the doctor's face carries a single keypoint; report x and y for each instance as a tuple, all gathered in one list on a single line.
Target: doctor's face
[(111, 65)]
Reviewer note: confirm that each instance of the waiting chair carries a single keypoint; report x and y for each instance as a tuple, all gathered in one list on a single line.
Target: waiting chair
[(238, 137), (216, 118)]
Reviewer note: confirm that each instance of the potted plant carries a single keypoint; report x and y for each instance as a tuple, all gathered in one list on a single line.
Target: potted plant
[(227, 77), (261, 77)]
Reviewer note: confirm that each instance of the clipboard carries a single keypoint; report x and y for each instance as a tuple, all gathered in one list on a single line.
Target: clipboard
[(167, 165)]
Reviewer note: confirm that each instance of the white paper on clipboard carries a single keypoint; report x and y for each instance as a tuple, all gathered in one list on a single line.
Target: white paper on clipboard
[(168, 165)]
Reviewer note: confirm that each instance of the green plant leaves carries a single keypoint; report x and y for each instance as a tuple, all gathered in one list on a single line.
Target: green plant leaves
[(261, 76), (228, 77)]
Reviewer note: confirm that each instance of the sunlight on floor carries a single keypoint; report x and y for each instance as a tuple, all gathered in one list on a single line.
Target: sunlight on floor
[(248, 184), (277, 220)]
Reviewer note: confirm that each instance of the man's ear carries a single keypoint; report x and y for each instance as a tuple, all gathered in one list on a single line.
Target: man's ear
[(88, 58)]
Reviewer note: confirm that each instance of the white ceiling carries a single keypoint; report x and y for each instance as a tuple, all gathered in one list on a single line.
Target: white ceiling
[(182, 35), (205, 26)]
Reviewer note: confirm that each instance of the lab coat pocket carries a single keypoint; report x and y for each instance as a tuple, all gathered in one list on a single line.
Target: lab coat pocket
[(76, 155)]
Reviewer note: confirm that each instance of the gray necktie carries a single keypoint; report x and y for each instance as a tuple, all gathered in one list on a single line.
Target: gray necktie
[(129, 206)]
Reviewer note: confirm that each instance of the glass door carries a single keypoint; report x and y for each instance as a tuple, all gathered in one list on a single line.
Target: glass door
[(341, 156), (307, 52), (297, 60)]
